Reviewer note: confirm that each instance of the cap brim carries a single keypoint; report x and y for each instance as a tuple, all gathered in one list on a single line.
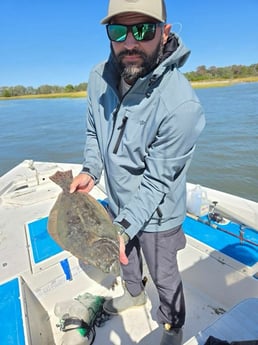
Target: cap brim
[(106, 20)]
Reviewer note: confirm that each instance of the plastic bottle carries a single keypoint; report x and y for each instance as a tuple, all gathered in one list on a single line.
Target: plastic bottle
[(197, 201), (72, 308)]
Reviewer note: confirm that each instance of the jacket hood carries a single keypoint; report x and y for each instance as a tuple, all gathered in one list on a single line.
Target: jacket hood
[(175, 52)]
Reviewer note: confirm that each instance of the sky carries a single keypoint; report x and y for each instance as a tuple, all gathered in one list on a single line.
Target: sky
[(57, 42)]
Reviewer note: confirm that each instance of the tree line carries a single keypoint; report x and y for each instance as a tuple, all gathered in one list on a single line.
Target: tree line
[(202, 73), (20, 90)]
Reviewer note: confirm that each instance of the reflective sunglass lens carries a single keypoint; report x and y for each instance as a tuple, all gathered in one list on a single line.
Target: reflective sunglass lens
[(117, 33), (141, 32), (144, 32)]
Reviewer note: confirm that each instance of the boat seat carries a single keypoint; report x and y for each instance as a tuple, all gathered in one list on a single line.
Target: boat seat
[(238, 324)]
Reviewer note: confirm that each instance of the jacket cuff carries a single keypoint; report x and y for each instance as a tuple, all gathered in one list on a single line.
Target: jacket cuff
[(121, 232), (87, 171)]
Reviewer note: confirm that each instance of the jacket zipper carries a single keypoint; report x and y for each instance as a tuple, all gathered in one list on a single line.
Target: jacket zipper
[(122, 129)]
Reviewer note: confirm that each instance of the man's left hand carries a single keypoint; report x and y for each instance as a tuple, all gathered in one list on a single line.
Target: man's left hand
[(122, 256)]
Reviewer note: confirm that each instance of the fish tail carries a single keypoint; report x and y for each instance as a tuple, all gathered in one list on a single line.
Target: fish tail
[(63, 179)]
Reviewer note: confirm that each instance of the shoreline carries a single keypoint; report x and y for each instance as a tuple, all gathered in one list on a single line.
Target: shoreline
[(195, 84), (222, 83)]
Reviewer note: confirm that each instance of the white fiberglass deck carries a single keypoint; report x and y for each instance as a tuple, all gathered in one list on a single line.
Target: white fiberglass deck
[(213, 281), (238, 324)]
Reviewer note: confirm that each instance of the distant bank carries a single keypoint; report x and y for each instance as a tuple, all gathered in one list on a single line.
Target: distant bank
[(195, 84), (221, 83), (77, 94)]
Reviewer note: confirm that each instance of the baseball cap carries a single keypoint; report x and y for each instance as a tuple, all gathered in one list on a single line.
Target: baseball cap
[(153, 8)]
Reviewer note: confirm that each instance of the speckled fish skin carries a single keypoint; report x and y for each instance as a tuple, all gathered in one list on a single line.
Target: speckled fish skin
[(81, 225)]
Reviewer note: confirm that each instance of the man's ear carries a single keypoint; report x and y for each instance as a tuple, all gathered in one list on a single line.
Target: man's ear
[(166, 32)]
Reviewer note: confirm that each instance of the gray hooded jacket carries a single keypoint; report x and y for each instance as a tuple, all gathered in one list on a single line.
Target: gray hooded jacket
[(144, 141)]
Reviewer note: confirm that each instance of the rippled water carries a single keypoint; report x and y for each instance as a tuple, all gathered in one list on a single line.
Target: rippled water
[(226, 157), (227, 154)]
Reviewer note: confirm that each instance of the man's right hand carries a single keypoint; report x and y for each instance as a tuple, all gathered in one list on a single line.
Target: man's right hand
[(82, 183)]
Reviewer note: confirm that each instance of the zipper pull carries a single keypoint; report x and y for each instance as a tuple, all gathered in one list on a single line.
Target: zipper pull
[(160, 214), (121, 128), (123, 123)]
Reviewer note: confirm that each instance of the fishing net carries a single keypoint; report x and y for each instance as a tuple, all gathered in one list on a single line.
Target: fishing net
[(79, 317)]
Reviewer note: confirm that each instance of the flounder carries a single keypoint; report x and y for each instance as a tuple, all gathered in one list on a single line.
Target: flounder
[(81, 225)]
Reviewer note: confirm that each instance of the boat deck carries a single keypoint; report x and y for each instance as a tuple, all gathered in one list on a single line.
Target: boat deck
[(135, 326), (239, 323), (36, 274)]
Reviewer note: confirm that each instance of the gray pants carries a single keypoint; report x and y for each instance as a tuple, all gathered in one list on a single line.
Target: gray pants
[(160, 252)]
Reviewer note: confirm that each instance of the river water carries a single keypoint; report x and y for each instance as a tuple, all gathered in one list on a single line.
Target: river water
[(226, 157)]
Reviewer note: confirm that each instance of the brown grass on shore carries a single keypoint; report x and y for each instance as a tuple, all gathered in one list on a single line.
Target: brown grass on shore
[(77, 94), (222, 83), (195, 84)]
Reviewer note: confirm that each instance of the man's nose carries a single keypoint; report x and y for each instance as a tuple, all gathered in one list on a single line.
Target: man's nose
[(130, 42)]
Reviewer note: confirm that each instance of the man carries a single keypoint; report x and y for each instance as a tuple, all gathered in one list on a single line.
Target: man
[(142, 125)]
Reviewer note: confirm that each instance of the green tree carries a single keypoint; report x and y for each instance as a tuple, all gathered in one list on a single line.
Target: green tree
[(69, 88), (6, 93)]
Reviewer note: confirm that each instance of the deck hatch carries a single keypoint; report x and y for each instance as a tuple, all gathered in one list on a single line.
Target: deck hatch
[(11, 324), (43, 246), (43, 250)]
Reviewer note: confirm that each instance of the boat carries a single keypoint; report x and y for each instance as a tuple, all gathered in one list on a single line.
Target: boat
[(219, 268)]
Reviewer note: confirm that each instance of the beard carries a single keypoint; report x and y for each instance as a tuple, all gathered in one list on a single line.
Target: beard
[(130, 72)]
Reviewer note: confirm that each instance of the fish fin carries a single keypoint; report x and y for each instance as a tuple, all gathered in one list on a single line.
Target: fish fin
[(63, 179)]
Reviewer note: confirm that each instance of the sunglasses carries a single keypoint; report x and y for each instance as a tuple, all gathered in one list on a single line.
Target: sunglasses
[(141, 32)]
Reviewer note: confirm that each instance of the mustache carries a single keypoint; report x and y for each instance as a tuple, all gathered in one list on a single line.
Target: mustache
[(130, 53)]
